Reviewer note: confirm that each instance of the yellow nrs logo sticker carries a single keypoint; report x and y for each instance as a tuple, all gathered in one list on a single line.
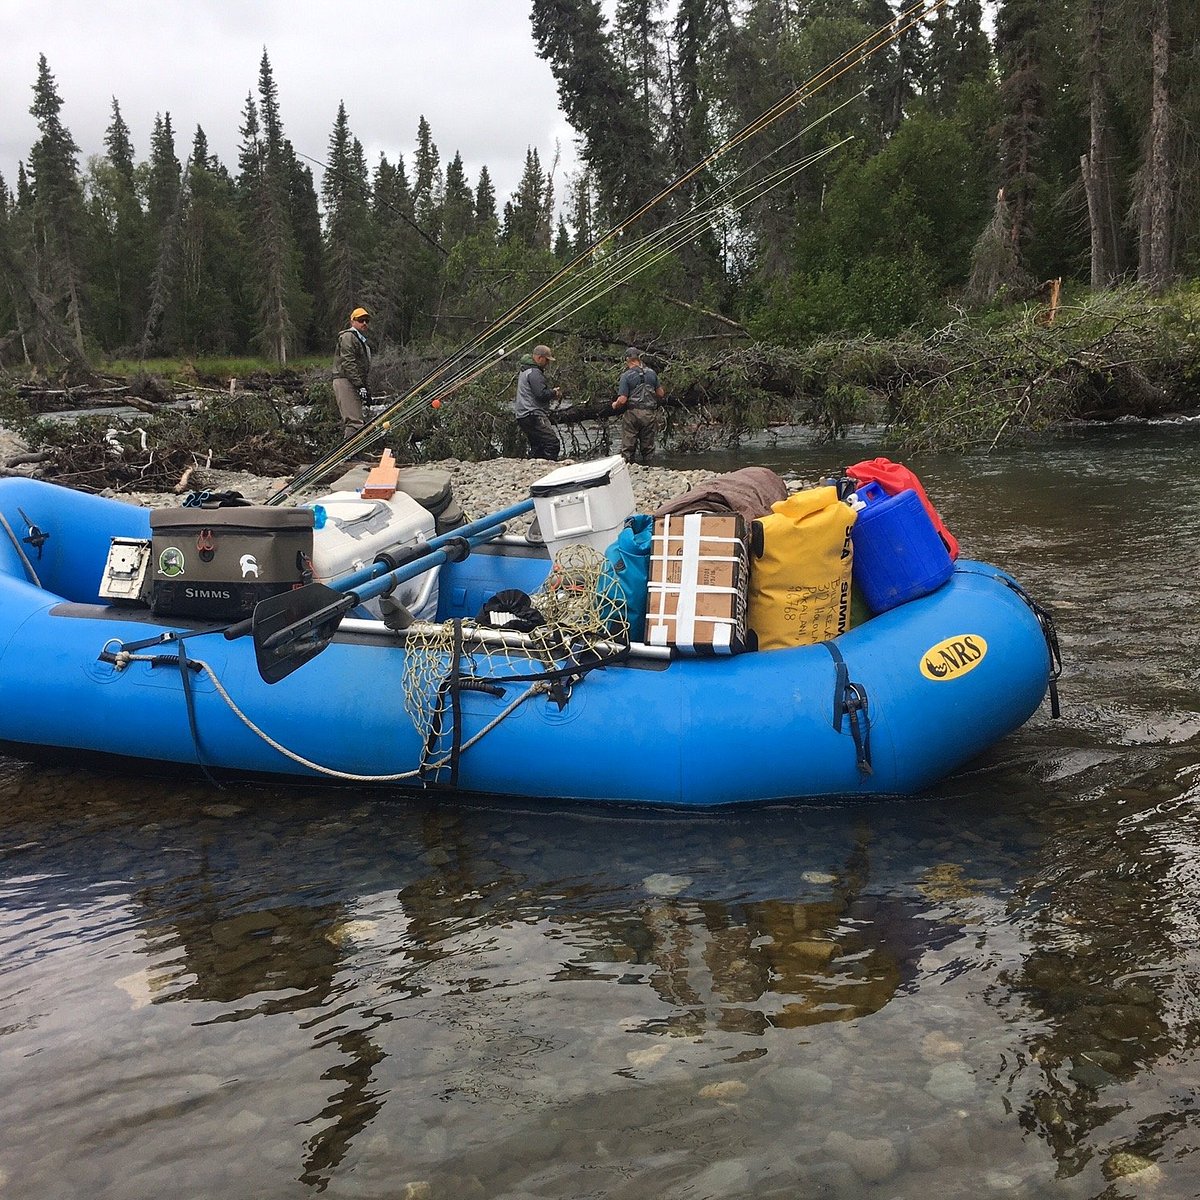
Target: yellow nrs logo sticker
[(954, 657)]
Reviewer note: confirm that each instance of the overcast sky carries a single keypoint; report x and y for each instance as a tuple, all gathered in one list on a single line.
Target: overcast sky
[(468, 65)]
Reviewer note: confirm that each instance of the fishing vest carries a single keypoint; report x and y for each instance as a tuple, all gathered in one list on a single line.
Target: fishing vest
[(642, 394)]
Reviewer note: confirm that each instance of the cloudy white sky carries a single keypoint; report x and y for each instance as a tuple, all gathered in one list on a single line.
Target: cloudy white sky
[(468, 65)]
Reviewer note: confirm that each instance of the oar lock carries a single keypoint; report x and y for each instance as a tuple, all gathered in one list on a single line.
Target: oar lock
[(36, 538)]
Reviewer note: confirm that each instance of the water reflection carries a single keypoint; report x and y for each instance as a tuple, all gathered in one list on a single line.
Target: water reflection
[(397, 966), (1109, 976), (349, 923)]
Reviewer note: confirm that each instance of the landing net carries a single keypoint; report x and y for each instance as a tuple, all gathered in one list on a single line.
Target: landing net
[(577, 621)]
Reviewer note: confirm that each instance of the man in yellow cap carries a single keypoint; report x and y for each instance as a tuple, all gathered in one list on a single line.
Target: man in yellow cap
[(351, 367)]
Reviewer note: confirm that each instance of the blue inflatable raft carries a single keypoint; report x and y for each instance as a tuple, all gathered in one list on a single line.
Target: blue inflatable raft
[(888, 708)]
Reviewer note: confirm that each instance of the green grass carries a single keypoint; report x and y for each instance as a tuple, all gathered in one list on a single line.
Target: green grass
[(204, 367)]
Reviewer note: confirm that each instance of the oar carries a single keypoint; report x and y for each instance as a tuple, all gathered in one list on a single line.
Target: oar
[(293, 627)]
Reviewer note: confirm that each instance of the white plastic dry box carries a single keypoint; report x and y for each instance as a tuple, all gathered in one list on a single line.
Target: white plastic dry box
[(583, 503)]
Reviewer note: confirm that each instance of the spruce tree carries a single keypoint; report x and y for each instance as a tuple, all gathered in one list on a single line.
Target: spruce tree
[(58, 217), (525, 222), (12, 333), (579, 197), (689, 124), (973, 60), (118, 236), (1157, 192), (458, 205), (595, 94), (941, 81), (24, 197), (309, 303), (349, 224), (638, 29), (427, 181), (485, 203), (265, 184), (392, 293), (1097, 163), (1024, 92), (422, 283), (562, 242), (211, 280), (163, 182)]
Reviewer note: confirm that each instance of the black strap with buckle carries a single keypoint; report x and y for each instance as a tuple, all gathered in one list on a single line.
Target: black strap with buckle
[(850, 704)]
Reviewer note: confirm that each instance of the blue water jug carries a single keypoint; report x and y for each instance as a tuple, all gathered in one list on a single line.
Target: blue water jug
[(898, 554)]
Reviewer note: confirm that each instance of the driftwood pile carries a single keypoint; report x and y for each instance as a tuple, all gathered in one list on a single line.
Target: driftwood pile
[(148, 393), (150, 434)]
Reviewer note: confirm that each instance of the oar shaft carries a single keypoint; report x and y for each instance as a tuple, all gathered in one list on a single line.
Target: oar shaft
[(434, 558), (486, 524)]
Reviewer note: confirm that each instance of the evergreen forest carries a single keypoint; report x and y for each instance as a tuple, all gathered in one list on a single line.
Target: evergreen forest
[(977, 159)]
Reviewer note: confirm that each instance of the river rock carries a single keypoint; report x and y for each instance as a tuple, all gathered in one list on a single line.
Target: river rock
[(730, 1177), (726, 1091), (222, 810), (951, 1082), (1085, 1070), (800, 1086), (874, 1159), (1125, 1163), (663, 884)]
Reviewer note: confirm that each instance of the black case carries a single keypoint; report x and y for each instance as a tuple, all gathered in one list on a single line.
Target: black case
[(219, 563)]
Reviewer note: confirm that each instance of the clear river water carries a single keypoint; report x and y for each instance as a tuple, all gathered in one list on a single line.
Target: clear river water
[(991, 990)]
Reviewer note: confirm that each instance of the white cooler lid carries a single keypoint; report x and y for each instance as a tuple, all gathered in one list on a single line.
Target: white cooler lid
[(577, 475)]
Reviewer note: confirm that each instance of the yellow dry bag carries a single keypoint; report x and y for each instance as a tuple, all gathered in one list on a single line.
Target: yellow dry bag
[(800, 573)]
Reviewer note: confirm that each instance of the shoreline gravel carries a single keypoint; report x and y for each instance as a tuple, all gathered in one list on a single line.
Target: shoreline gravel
[(479, 487)]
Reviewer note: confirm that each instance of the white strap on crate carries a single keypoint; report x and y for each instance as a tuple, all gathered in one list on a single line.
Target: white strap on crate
[(689, 588)]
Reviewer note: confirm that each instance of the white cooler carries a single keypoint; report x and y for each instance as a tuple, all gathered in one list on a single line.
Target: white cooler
[(583, 503), (356, 530)]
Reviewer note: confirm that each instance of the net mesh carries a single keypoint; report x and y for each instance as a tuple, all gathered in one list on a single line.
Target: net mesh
[(584, 622)]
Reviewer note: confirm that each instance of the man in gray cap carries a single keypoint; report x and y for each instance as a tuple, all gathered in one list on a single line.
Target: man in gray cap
[(531, 406), (638, 395)]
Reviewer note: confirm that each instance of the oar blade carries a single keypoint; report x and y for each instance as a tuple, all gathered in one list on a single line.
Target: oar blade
[(293, 627)]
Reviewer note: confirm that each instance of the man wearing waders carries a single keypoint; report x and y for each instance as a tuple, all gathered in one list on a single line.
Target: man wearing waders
[(351, 366), (637, 399), (532, 405)]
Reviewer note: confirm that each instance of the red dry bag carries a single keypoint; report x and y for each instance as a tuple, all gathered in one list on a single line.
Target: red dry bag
[(894, 479)]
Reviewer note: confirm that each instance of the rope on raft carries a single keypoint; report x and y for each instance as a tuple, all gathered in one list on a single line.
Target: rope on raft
[(122, 658)]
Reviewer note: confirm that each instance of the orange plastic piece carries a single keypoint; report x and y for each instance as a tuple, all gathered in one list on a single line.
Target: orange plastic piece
[(382, 480)]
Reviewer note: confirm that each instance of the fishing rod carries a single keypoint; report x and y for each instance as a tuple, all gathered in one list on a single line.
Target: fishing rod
[(650, 250), (613, 271), (622, 265), (856, 56), (600, 279), (628, 268), (647, 252)]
